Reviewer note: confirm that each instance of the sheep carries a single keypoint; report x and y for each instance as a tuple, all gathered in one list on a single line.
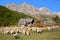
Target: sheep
[(22, 26), (49, 28), (1, 30), (53, 27), (19, 30), (33, 28), (11, 31), (29, 28), (15, 35), (6, 30), (39, 30), (29, 25), (57, 27), (25, 31), (28, 31)]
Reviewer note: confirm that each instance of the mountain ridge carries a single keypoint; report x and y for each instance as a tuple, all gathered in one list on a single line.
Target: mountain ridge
[(28, 9)]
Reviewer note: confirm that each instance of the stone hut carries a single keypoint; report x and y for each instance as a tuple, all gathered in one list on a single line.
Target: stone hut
[(25, 21)]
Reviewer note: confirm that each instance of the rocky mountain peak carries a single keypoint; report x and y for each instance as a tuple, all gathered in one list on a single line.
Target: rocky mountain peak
[(24, 4), (29, 9), (11, 6), (45, 10)]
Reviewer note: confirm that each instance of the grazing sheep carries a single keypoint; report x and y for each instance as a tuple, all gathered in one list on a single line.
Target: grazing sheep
[(57, 27), (29, 25), (29, 28), (33, 28), (6, 30), (22, 26), (53, 27), (24, 30), (27, 33), (39, 30), (49, 28), (11, 31), (15, 35), (19, 30), (1, 30)]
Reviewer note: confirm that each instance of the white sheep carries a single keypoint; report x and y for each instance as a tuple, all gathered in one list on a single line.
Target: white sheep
[(29, 25), (39, 30), (57, 27), (53, 27), (49, 28), (22, 26), (19, 30), (27, 33), (6, 30), (24, 32), (11, 31), (29, 28), (33, 28), (15, 35)]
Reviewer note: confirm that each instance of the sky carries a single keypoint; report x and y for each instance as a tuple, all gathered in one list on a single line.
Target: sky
[(53, 5)]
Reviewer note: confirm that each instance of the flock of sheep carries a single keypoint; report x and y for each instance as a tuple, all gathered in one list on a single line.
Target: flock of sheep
[(25, 30)]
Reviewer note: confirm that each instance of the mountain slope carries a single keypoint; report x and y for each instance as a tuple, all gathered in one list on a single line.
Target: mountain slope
[(26, 8), (45, 11), (8, 17), (29, 9)]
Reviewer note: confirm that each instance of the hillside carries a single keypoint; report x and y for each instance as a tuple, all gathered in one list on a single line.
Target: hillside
[(8, 17)]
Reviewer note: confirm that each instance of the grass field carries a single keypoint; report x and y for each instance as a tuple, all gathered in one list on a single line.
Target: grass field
[(53, 35)]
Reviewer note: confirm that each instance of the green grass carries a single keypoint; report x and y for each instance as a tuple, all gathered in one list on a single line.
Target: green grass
[(53, 35)]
